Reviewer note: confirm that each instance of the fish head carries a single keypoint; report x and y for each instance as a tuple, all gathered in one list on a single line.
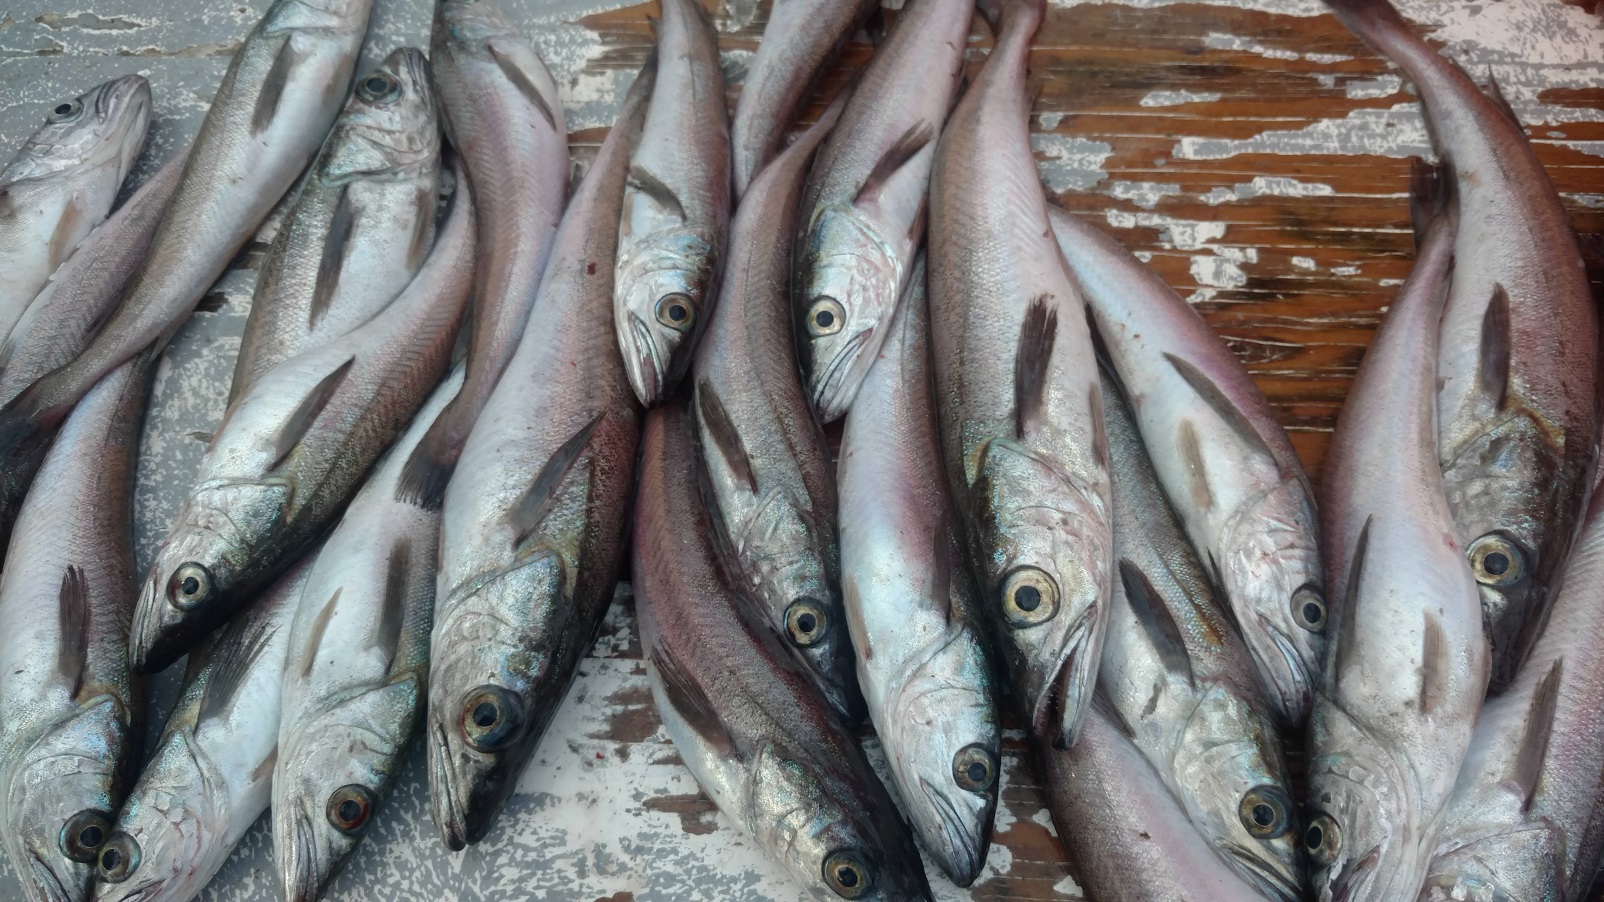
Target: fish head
[(663, 293), (102, 129), (390, 124), (849, 279), (1045, 544), (470, 23), (1362, 833)]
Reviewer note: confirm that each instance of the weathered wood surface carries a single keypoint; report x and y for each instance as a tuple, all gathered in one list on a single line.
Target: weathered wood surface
[(1253, 150)]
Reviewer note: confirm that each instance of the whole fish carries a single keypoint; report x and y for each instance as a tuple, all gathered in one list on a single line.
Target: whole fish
[(354, 678), (63, 182), (504, 116), (293, 448), (864, 207), (676, 208), (1178, 679), (800, 38), (1017, 388), (1517, 406), (1406, 674), (209, 777), (750, 725), (360, 226), (912, 604), (282, 91), (765, 461), (534, 522), (1222, 457), (71, 717)]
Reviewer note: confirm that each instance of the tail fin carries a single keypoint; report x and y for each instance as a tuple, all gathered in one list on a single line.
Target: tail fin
[(1431, 195), (998, 12), (428, 471)]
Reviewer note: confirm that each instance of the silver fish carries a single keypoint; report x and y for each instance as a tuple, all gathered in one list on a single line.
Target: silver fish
[(360, 226), (294, 447), (676, 208), (1017, 387), (1406, 674), (70, 715), (1223, 459), (210, 775), (504, 116), (750, 726), (912, 604), (765, 461), (354, 678), (1519, 343), (864, 207), (534, 522)]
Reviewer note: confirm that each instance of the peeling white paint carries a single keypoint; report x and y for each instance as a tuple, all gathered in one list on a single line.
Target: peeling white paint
[(1177, 98), (1327, 58), (1268, 186), (1397, 131), (1345, 270), (1070, 163), (1181, 234), (1143, 194), (1366, 88), (1218, 41), (1303, 262)]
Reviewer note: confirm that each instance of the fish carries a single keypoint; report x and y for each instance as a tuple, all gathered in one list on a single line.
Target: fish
[(294, 447), (361, 224), (534, 523), (864, 206), (71, 714), (1519, 361), (1018, 394), (358, 658), (750, 725), (763, 458), (277, 100), (1221, 455), (912, 605), (503, 113), (63, 182), (800, 38), (1178, 679), (675, 217), (1407, 671), (209, 776)]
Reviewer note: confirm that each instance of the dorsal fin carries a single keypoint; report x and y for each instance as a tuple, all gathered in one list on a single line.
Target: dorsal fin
[(1222, 406), (314, 636), (393, 615), (273, 87), (896, 156), (1155, 619), (1037, 335), (334, 247), (235, 655), (1350, 597), (1539, 726), (530, 511), (689, 700), (520, 80), (941, 564), (1496, 95), (1492, 369), (1435, 664), (296, 425), (644, 181), (73, 610), (721, 430)]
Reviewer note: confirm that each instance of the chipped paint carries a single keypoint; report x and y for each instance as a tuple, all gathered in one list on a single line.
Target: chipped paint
[(1177, 98), (1068, 163)]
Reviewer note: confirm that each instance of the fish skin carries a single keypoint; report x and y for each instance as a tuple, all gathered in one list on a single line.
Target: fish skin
[(1190, 698), (771, 497), (71, 715), (675, 218), (748, 722), (799, 40), (1031, 481), (63, 182), (280, 469), (1516, 459), (1405, 676), (208, 778), (912, 604), (522, 588), (502, 110), (353, 690), (375, 182), (1249, 508), (858, 250)]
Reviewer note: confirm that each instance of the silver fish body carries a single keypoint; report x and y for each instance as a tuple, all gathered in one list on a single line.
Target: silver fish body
[(676, 210), (865, 201)]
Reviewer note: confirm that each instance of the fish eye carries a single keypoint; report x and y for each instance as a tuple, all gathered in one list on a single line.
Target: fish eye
[(190, 585), (847, 875), (83, 833), (1322, 840), (119, 858), (492, 718), (1496, 561), (974, 768), (1309, 609), (1264, 812), (825, 317), (805, 622), (1029, 597), (676, 311), (379, 87), (350, 807), (66, 112)]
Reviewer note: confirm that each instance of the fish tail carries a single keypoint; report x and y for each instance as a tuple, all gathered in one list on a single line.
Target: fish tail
[(428, 470), (999, 12), (1431, 196), (1367, 18), (27, 426)]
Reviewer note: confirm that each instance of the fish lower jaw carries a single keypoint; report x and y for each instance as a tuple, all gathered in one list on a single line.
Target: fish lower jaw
[(1285, 679), (448, 817)]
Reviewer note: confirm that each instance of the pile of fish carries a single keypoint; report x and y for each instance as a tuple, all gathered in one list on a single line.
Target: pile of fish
[(470, 400)]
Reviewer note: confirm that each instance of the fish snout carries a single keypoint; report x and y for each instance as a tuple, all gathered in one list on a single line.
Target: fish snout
[(443, 804), (643, 362), (837, 386), (1286, 677), (954, 842)]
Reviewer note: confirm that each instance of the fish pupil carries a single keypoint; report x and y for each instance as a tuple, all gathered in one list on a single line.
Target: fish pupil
[(110, 858), (190, 585), (64, 109), (676, 312), (1311, 612), (1315, 838), (90, 836), (377, 85), (825, 319), (1263, 815), (350, 810), (977, 772), (485, 714), (847, 877), (1027, 598), (807, 623), (1496, 563)]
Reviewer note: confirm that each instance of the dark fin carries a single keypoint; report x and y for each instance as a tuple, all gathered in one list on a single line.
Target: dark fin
[(1350, 597), (721, 429), (294, 428), (1037, 335), (1100, 350), (62, 240), (1197, 479), (210, 302), (689, 700), (526, 515), (941, 566), (204, 438), (1156, 620), (906, 148), (1492, 372), (1428, 195), (334, 245), (642, 180), (394, 613), (428, 471), (314, 638), (235, 655), (524, 85), (1434, 664), (1099, 425), (273, 88), (1539, 725), (1211, 395), (73, 655), (264, 769), (422, 240), (1496, 95)]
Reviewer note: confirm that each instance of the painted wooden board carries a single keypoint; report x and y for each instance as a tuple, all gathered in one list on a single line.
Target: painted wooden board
[(1252, 150)]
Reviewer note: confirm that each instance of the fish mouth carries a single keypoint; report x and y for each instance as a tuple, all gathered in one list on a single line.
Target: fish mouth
[(1289, 683), (448, 815), (141, 893), (959, 850), (45, 880), (834, 394), (299, 869), (1262, 875), (1355, 882), (1076, 672), (644, 362)]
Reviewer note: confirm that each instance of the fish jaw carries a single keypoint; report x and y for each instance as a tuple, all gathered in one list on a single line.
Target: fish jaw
[(662, 300), (850, 274), (1361, 787)]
